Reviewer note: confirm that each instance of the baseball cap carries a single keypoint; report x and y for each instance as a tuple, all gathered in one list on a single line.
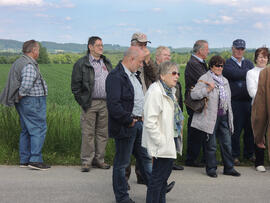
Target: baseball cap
[(239, 43), (140, 37)]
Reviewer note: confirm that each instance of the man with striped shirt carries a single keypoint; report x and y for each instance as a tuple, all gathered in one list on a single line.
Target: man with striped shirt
[(27, 90), (88, 86)]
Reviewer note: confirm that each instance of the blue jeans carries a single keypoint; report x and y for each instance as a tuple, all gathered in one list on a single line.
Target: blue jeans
[(242, 121), (156, 191), (32, 112), (222, 133), (124, 149)]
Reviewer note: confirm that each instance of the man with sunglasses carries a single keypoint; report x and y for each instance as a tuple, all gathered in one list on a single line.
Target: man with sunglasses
[(235, 70)]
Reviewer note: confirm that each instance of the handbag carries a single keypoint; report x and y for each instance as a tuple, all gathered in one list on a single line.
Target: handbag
[(196, 105)]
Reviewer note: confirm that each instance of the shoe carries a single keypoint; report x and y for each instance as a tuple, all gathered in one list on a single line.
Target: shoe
[(38, 166), (177, 167), (85, 168), (260, 168), (170, 186), (232, 173), (127, 201), (195, 164), (252, 159), (101, 165), (24, 165), (212, 174), (236, 162)]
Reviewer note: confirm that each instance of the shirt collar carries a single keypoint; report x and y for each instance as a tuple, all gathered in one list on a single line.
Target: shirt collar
[(234, 59), (128, 72), (201, 60), (92, 59)]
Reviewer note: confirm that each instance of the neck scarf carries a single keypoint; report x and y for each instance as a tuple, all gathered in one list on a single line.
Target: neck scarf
[(223, 96)]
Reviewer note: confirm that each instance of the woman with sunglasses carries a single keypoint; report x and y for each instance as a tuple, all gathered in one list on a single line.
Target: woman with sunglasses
[(162, 129), (216, 119)]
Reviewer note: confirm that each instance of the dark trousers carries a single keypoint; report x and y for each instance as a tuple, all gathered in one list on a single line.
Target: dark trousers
[(259, 154), (124, 148), (156, 191), (222, 133), (195, 140), (242, 121)]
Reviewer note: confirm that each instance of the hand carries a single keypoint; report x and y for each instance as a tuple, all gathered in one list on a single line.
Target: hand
[(20, 97), (211, 86), (133, 123), (261, 145)]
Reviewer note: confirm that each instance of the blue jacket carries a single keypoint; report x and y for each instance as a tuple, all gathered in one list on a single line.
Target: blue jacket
[(236, 76), (120, 102)]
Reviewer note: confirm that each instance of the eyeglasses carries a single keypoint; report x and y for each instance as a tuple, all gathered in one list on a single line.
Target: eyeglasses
[(219, 66), (174, 73)]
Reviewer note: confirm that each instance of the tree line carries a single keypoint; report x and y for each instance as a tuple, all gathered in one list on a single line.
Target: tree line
[(71, 58)]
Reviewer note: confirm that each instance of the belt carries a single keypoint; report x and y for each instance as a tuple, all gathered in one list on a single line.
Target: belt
[(138, 118)]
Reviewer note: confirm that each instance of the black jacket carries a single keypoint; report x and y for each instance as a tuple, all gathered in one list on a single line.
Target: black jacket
[(83, 80), (120, 102)]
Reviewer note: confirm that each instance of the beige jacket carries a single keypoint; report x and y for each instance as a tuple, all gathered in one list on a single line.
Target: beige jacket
[(158, 125)]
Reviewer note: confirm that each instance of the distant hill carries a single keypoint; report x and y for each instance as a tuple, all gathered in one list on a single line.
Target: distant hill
[(14, 46)]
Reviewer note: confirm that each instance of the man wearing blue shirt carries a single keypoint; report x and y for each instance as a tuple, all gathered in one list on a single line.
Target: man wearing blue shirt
[(235, 70)]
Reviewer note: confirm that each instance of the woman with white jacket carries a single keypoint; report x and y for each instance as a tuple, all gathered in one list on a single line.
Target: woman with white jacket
[(261, 59), (162, 130)]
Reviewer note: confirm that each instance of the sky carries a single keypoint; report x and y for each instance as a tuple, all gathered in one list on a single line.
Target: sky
[(175, 23)]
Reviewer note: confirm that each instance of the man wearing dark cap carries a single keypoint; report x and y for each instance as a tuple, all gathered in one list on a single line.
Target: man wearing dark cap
[(235, 70)]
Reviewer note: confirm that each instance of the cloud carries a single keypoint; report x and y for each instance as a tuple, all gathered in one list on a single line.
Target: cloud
[(157, 9), (20, 2), (217, 21), (258, 25), (42, 15), (261, 10), (225, 2), (61, 4), (68, 18)]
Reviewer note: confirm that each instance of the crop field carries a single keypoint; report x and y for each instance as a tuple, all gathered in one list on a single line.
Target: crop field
[(63, 139)]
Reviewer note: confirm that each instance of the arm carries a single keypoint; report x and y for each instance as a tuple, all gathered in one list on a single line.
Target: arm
[(194, 70), (115, 102), (28, 77), (152, 111), (233, 72), (76, 82), (252, 85), (201, 90), (151, 70)]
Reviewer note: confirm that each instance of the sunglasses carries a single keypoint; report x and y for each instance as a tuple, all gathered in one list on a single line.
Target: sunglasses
[(174, 73), (219, 66)]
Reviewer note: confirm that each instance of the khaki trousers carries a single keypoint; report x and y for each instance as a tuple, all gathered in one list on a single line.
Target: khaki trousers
[(94, 125)]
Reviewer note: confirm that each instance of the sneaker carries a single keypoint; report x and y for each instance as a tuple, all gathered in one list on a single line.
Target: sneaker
[(260, 168), (38, 166), (101, 165), (24, 165)]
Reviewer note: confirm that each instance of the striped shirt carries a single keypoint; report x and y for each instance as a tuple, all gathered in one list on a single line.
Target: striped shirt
[(138, 93), (101, 74), (32, 83)]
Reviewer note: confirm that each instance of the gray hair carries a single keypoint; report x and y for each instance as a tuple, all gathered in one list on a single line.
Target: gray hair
[(199, 44), (29, 45), (160, 49), (166, 66)]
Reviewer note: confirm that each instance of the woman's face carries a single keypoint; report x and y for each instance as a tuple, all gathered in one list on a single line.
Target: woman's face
[(171, 77), (261, 61), (217, 69)]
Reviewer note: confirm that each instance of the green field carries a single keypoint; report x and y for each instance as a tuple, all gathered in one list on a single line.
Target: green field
[(63, 140)]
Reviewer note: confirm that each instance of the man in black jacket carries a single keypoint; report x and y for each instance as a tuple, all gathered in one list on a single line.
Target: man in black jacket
[(195, 68), (125, 107), (88, 86)]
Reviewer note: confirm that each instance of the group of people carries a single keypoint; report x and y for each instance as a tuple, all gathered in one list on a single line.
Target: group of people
[(139, 104)]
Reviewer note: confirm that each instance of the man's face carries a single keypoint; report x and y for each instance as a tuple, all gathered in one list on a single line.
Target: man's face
[(204, 51), (35, 51), (165, 55), (137, 62), (238, 53), (97, 48)]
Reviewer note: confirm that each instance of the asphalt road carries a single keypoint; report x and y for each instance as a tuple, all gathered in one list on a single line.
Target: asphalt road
[(67, 184)]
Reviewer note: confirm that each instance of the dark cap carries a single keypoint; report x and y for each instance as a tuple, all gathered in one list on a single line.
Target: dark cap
[(239, 43)]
